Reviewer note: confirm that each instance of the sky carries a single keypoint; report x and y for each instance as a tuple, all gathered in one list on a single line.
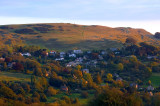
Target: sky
[(113, 13)]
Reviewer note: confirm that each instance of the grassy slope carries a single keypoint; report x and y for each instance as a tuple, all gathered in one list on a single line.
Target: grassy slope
[(14, 77), (83, 101), (155, 79), (69, 36)]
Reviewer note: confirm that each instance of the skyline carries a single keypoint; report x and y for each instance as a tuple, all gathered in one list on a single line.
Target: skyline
[(111, 13)]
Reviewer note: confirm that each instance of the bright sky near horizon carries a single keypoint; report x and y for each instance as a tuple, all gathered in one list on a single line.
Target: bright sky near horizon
[(113, 13)]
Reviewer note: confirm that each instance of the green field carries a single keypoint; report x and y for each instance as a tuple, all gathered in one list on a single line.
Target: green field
[(73, 95), (7, 76), (155, 79)]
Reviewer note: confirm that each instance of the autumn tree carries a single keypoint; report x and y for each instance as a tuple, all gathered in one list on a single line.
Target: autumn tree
[(78, 74), (7, 92), (131, 41), (18, 66), (38, 72), (109, 77), (98, 79), (51, 91), (149, 82), (157, 35), (43, 97), (120, 67)]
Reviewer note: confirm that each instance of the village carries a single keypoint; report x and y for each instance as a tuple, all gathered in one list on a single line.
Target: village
[(87, 60), (130, 69)]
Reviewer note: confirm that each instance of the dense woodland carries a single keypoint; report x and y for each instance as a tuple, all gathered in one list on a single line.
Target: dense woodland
[(114, 77)]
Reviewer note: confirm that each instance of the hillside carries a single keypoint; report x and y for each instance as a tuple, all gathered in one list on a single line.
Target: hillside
[(68, 36)]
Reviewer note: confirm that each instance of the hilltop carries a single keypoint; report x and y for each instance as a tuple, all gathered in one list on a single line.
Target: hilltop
[(64, 36)]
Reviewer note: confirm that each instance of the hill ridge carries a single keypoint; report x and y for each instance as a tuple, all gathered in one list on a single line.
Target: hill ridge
[(72, 34)]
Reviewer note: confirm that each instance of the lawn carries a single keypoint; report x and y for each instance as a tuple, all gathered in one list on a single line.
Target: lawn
[(155, 79), (8, 76)]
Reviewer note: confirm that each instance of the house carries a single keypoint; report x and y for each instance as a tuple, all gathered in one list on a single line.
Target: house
[(59, 59), (77, 51), (94, 62), (64, 88), (79, 59), (44, 53), (72, 63), (134, 85), (103, 52), (85, 70), (151, 57), (62, 54), (89, 52), (117, 53), (100, 57), (52, 53), (150, 88), (68, 65), (10, 65), (115, 75), (2, 59), (26, 54), (72, 55), (85, 57), (119, 79), (113, 49)]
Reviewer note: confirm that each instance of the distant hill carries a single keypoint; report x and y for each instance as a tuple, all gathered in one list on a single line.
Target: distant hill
[(64, 36)]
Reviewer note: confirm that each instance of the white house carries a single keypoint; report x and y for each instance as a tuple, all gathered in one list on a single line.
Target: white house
[(117, 53), (59, 59), (89, 52), (72, 55), (103, 52), (150, 88), (151, 57), (72, 63), (113, 49), (100, 57), (78, 51), (25, 54), (79, 59), (62, 54), (119, 79)]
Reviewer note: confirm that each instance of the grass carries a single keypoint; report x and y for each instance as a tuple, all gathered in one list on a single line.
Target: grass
[(84, 45), (73, 95), (155, 79), (8, 76), (75, 36)]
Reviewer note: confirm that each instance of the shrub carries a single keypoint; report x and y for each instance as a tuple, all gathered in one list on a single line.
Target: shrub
[(84, 94), (51, 91)]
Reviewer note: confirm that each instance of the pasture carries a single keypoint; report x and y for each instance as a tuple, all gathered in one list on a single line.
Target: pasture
[(8, 76), (155, 79)]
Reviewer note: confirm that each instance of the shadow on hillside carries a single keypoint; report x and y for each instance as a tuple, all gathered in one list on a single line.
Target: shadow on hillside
[(84, 45)]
